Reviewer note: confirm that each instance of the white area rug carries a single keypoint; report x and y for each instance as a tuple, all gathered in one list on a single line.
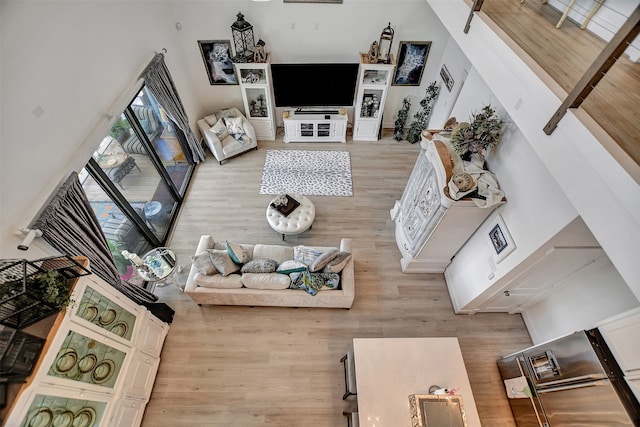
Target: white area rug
[(311, 173)]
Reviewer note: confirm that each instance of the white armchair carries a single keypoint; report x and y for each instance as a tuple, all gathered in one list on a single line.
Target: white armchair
[(228, 146)]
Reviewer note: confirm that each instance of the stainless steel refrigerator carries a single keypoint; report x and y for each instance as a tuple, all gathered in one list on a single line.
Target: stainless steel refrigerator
[(572, 381)]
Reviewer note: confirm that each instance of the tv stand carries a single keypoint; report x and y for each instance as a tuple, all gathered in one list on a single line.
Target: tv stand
[(308, 125)]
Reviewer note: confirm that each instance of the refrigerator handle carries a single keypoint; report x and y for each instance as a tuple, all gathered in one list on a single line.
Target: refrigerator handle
[(580, 379), (533, 405), (572, 386)]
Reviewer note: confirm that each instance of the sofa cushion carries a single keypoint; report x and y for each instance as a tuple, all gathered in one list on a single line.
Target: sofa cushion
[(271, 281), (338, 263), (238, 254), (322, 260), (211, 120), (306, 254), (313, 282), (223, 262), (275, 252), (202, 263), (291, 266), (218, 281), (220, 129), (260, 265)]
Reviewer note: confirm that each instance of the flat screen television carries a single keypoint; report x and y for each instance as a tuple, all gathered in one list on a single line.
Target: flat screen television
[(314, 85)]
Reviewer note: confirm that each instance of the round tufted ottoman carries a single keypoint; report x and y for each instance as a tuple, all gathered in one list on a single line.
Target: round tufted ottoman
[(297, 221)]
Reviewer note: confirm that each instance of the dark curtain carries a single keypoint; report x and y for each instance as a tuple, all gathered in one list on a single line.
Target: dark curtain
[(158, 80), (69, 225)]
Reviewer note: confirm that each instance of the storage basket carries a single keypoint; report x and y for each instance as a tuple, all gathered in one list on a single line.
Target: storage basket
[(20, 306)]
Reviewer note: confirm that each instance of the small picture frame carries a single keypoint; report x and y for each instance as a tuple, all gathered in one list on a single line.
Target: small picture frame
[(217, 55), (446, 77), (499, 239)]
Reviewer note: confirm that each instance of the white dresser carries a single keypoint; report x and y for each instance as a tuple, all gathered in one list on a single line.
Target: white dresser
[(430, 226), (98, 365)]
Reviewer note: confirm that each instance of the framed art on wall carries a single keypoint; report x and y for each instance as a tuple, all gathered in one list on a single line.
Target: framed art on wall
[(216, 55), (412, 57), (446, 77), (499, 238)]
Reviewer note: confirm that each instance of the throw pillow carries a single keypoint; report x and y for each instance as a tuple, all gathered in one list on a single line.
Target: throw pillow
[(291, 266), (223, 262), (237, 253), (202, 263), (337, 264), (234, 126), (220, 129), (260, 266), (306, 254), (228, 113), (211, 120), (324, 258)]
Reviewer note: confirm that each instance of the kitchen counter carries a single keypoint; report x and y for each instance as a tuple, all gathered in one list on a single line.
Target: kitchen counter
[(388, 370)]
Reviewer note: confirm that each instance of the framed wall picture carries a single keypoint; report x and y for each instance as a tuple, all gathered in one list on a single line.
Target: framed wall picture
[(217, 55), (446, 77), (412, 57), (499, 238)]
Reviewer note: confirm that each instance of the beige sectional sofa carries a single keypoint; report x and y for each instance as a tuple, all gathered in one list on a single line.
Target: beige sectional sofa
[(217, 289)]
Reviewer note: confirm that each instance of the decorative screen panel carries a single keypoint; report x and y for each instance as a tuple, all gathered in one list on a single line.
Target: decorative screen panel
[(103, 312)]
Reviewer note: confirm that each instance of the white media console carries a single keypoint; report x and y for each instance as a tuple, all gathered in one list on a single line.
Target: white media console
[(310, 125)]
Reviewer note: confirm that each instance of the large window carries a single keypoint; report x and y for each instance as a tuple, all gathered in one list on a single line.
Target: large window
[(137, 178)]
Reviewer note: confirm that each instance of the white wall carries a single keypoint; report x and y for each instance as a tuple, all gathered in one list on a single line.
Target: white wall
[(458, 66), (535, 211), (596, 293), (79, 60)]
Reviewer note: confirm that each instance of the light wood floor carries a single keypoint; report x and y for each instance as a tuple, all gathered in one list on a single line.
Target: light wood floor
[(565, 54), (267, 366)]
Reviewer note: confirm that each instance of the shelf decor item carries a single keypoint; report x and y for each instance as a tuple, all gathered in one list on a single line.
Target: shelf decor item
[(421, 118), (384, 45), (403, 114), (243, 40), (481, 135)]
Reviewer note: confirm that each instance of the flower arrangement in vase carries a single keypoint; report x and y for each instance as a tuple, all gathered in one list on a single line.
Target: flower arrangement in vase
[(480, 135)]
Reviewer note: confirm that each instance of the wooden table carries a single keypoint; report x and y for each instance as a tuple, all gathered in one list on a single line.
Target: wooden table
[(388, 370)]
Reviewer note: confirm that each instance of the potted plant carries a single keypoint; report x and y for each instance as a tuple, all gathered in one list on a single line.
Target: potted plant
[(120, 130), (479, 136), (421, 118), (49, 288)]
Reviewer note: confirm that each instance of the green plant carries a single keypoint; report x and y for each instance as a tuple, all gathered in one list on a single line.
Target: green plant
[(422, 117), (50, 288), (120, 129), (480, 135), (118, 259), (403, 114)]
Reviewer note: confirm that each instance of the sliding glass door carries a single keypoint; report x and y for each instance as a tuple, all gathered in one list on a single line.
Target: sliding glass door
[(137, 178)]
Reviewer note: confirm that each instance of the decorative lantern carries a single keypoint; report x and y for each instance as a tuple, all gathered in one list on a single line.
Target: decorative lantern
[(242, 39), (384, 45)]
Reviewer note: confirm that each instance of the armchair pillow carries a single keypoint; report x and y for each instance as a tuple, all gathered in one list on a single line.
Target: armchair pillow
[(220, 129), (234, 127), (228, 113), (211, 120)]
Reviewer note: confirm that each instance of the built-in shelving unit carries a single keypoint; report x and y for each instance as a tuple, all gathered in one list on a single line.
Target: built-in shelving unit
[(373, 85), (257, 95)]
